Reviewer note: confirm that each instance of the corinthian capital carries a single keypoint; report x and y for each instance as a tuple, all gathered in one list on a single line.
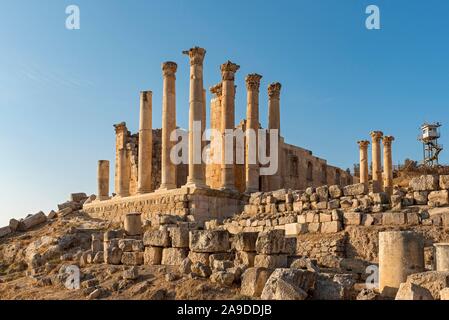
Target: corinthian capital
[(169, 68), (387, 140), (228, 70), (376, 135), (120, 127), (217, 89), (196, 55), (274, 90), (363, 144), (253, 81), (146, 95)]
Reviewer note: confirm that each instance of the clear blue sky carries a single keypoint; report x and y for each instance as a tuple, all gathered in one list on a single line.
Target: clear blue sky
[(61, 91)]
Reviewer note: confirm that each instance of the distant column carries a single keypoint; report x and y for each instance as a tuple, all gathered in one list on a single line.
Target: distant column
[(228, 71), (388, 164), (196, 176), (274, 122), (168, 169), (122, 168), (145, 143), (376, 137), (252, 124), (363, 148), (103, 180)]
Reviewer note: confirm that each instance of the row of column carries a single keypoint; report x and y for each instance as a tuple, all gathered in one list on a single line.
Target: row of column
[(197, 112), (378, 185)]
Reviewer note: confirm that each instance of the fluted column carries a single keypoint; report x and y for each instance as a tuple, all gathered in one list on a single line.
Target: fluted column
[(122, 168), (376, 137), (228, 71), (388, 164), (196, 176), (274, 122), (168, 169), (145, 143), (363, 148), (215, 142), (103, 180), (252, 127)]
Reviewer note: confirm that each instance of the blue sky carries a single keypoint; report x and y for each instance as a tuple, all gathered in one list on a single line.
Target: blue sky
[(61, 91)]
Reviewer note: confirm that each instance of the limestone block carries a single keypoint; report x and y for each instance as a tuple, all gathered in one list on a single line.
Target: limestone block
[(157, 238), (297, 206), (152, 255), (439, 198), (331, 227), (179, 237), (312, 217), (201, 270), (245, 241), (325, 217), (444, 182), (14, 224), (412, 218), (304, 263), (314, 227), (52, 215), (322, 205), (333, 204), (253, 281), (98, 258), (424, 183), (69, 204), (434, 281), (421, 197), (394, 218), (410, 291), (333, 287), (132, 258), (352, 218), (355, 189), (279, 195), (380, 198), (186, 266), (270, 242), (323, 193), (133, 224), (245, 258), (32, 221), (335, 192), (346, 202), (222, 265), (223, 278), (220, 256), (337, 215), (293, 229), (5, 231), (96, 245), (209, 241), (367, 220), (290, 244), (301, 218), (271, 261), (291, 284), (173, 256), (113, 256), (200, 257), (444, 294), (78, 197), (314, 197)]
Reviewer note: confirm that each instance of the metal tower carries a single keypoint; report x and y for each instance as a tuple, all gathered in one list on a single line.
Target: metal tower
[(430, 134)]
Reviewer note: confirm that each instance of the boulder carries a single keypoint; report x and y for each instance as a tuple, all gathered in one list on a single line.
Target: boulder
[(424, 183), (32, 221), (245, 241), (157, 238), (438, 198), (304, 263), (223, 278), (153, 255), (14, 224), (78, 197), (411, 291), (335, 191), (333, 287), (209, 241), (173, 256), (288, 284), (270, 242), (131, 273), (5, 231), (434, 281), (253, 281), (355, 189)]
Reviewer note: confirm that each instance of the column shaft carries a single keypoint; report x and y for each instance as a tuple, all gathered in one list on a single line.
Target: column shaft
[(274, 122), (363, 149), (376, 137), (388, 164), (145, 143), (122, 168), (168, 168), (103, 180)]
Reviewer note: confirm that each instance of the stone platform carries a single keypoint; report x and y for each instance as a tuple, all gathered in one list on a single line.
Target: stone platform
[(197, 204)]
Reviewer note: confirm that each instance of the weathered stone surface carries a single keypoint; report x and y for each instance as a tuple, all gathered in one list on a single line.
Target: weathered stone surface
[(293, 229), (219, 256), (439, 198), (420, 197), (221, 265), (444, 182), (352, 218), (113, 256), (290, 244), (245, 241), (157, 238), (98, 258), (393, 218), (444, 294), (179, 237), (209, 241), (32, 221), (335, 192), (131, 273), (201, 270), (173, 256), (132, 258), (14, 224), (270, 242), (245, 258), (253, 281), (130, 245), (201, 257), (271, 261), (78, 197), (424, 183), (411, 291), (380, 198), (223, 278), (185, 267), (329, 287), (5, 231), (304, 263), (367, 294), (153, 255), (331, 227), (434, 281), (323, 193), (288, 284), (355, 189)]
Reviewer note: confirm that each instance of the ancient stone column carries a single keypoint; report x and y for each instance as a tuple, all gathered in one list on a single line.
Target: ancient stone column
[(401, 253), (376, 136), (196, 176), (274, 122), (145, 143), (252, 124), (215, 142), (133, 224), (168, 168), (363, 148), (388, 164), (441, 256), (103, 180), (122, 168), (228, 71)]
